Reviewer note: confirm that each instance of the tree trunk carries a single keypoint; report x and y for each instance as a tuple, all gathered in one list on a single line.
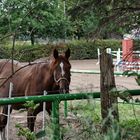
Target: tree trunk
[(107, 84), (31, 30), (32, 38)]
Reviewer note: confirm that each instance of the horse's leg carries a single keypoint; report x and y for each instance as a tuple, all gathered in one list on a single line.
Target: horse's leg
[(3, 121), (31, 117), (49, 108), (2, 134), (31, 114)]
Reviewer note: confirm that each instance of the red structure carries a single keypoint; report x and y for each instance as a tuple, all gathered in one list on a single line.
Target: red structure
[(131, 59), (127, 50)]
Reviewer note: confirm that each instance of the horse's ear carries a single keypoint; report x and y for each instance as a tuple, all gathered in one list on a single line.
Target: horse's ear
[(55, 53), (67, 53)]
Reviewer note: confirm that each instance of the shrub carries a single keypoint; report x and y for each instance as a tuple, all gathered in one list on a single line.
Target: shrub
[(80, 49)]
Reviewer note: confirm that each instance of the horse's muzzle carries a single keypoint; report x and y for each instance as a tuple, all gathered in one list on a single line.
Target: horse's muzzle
[(64, 90)]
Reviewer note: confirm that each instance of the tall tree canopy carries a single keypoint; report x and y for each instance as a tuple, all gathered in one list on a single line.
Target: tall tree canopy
[(113, 15), (43, 18), (71, 18)]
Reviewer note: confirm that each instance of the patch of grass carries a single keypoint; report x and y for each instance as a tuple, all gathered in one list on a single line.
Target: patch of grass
[(131, 129), (91, 107), (129, 112), (87, 112), (87, 108)]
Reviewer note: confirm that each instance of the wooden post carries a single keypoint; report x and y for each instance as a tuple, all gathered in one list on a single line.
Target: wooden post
[(107, 84)]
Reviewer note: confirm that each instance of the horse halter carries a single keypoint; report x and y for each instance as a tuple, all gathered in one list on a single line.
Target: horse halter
[(61, 78)]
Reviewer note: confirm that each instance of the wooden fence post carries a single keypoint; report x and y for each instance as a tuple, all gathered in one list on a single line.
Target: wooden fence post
[(107, 84)]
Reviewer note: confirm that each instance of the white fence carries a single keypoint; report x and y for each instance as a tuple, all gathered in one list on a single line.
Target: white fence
[(119, 63)]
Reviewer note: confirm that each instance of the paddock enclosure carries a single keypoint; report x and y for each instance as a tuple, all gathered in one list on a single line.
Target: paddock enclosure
[(79, 83)]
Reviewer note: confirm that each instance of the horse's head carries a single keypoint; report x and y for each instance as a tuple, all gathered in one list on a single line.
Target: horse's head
[(61, 70)]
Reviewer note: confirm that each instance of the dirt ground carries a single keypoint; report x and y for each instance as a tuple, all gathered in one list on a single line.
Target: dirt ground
[(79, 82), (87, 81)]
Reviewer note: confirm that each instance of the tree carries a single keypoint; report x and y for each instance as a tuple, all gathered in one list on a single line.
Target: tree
[(113, 15), (33, 18)]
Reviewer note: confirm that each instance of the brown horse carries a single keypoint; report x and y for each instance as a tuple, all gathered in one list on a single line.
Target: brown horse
[(28, 80)]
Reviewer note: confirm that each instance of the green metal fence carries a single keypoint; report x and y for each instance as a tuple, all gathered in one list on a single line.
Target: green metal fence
[(56, 99)]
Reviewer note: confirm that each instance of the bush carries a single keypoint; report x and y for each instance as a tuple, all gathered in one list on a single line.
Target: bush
[(80, 49), (28, 53), (83, 49)]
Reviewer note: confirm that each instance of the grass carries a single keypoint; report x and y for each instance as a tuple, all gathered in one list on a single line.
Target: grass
[(88, 123), (129, 112), (87, 107)]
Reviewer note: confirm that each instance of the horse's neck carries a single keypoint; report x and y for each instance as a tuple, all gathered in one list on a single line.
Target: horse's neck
[(48, 77)]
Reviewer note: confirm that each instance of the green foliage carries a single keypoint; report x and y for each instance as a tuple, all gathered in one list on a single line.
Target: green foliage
[(86, 19), (90, 127), (122, 94), (130, 129), (41, 134), (136, 45), (31, 104), (4, 52), (83, 49), (133, 73), (80, 49), (30, 18), (25, 132), (30, 53), (114, 132), (85, 123), (112, 16)]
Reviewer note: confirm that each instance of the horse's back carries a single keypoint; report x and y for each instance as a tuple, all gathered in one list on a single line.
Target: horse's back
[(5, 63), (6, 74)]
